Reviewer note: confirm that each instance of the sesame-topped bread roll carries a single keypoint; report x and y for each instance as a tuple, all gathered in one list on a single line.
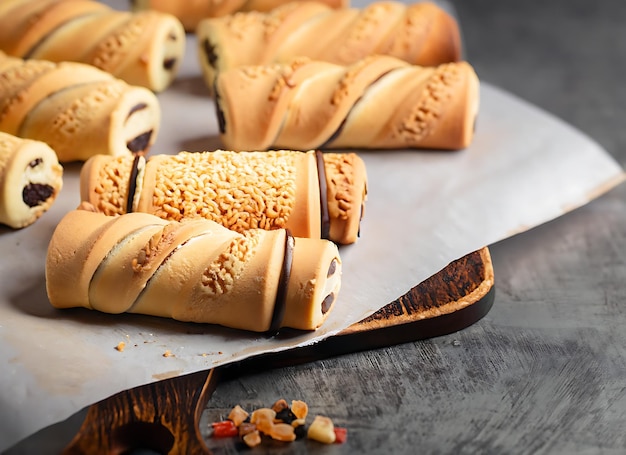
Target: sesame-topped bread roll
[(30, 180), (142, 48), (379, 102), (419, 33), (312, 194), (76, 108), (190, 12), (195, 271)]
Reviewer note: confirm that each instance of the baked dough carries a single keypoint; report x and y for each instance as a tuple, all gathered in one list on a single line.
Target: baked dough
[(190, 12), (240, 190), (420, 33), (77, 109), (30, 180), (142, 48), (379, 102), (195, 271)]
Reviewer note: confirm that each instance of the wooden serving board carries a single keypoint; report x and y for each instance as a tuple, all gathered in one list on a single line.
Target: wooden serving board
[(164, 416)]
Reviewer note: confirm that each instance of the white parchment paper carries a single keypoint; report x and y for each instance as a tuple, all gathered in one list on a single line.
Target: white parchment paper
[(425, 209)]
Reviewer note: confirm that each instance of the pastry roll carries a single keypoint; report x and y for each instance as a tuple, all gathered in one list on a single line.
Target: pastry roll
[(195, 271), (190, 12), (420, 33), (30, 180), (77, 109), (379, 102), (314, 195), (142, 48)]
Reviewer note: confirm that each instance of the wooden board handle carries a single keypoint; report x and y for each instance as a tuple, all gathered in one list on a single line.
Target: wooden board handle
[(162, 416)]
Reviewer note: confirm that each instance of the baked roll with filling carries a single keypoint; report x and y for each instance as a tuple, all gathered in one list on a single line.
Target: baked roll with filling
[(379, 102), (77, 109), (193, 271), (30, 180), (142, 48), (190, 12), (419, 33), (314, 195)]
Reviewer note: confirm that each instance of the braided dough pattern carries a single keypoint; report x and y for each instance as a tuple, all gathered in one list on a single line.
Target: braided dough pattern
[(75, 108), (379, 102), (420, 33), (143, 48), (196, 271)]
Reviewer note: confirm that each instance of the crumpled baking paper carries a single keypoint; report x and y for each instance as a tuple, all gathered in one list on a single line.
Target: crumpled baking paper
[(424, 210)]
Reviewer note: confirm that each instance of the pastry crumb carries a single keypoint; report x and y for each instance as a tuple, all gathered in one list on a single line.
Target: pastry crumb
[(168, 353), (120, 346)]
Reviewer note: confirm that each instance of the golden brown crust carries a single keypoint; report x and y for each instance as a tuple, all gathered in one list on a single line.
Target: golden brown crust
[(240, 190), (420, 34), (77, 109), (195, 271), (191, 12), (143, 48), (347, 192), (379, 102)]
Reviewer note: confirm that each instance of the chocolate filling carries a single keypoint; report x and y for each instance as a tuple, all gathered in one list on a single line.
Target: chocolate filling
[(327, 303), (140, 143), (36, 162), (132, 184), (280, 304), (169, 63), (336, 134), (341, 126), (321, 176), (29, 53), (154, 269), (332, 268), (221, 118), (209, 52), (136, 108), (35, 194)]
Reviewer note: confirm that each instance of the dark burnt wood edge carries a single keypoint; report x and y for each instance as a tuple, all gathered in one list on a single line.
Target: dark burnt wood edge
[(456, 297), (163, 416)]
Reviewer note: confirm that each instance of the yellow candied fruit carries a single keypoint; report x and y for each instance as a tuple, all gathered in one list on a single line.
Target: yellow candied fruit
[(252, 439), (322, 430), (238, 415)]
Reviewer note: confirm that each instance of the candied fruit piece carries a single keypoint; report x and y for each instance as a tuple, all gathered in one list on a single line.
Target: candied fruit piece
[(299, 408), (280, 405), (224, 429), (252, 439), (238, 415), (261, 414), (341, 435), (282, 432), (322, 430), (246, 427)]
